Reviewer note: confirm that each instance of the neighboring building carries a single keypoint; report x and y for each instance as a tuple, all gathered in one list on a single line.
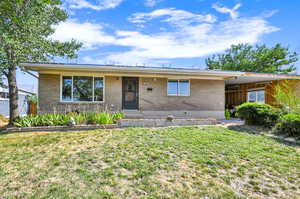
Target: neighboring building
[(22, 101), (145, 91)]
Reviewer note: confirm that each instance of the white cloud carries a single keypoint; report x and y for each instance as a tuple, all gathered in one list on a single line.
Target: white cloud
[(101, 4), (173, 16), (151, 3), (232, 12), (270, 13), (191, 40), (88, 33)]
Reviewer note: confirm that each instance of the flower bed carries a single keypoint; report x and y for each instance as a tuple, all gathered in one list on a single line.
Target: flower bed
[(69, 119)]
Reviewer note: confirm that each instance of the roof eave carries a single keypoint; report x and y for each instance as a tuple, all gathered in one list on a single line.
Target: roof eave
[(109, 68), (279, 76)]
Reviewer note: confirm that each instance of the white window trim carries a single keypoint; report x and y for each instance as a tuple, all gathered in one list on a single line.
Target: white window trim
[(72, 75), (256, 96), (178, 95)]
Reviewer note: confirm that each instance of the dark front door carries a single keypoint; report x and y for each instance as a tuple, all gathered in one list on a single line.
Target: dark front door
[(130, 93)]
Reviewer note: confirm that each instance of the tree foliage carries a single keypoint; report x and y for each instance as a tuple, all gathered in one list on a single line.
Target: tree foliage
[(286, 96), (26, 27), (259, 58)]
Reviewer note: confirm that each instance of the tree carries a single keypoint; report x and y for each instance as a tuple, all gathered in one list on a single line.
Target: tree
[(259, 58), (286, 96), (26, 27)]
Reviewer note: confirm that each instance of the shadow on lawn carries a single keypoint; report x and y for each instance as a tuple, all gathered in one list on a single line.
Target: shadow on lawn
[(263, 131), (248, 129)]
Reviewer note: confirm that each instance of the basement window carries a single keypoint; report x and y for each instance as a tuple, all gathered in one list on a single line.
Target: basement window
[(256, 96), (82, 89), (178, 87)]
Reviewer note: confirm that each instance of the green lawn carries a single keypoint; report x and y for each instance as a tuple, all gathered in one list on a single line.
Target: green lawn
[(182, 162)]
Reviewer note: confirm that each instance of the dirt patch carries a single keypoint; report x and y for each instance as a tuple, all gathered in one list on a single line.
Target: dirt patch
[(3, 121)]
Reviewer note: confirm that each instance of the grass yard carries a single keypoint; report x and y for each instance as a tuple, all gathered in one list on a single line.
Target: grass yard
[(182, 162)]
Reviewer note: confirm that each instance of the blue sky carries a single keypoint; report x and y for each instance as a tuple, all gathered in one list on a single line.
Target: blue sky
[(176, 33)]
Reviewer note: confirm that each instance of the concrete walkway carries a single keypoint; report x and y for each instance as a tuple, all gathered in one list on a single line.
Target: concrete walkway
[(231, 122)]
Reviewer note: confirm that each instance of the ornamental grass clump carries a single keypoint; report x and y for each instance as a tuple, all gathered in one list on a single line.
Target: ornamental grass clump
[(116, 116), (104, 118)]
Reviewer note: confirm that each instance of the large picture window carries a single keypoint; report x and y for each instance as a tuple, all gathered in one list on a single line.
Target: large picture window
[(82, 89), (178, 87), (256, 96)]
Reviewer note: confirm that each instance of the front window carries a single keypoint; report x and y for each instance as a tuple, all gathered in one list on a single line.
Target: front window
[(256, 96), (82, 89), (98, 89), (67, 88), (178, 87)]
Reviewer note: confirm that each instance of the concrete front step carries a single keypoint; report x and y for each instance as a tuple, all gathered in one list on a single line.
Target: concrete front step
[(133, 114), (164, 122)]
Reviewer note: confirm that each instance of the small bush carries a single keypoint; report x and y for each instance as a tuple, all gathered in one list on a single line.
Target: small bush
[(64, 119), (289, 125), (258, 114), (227, 114)]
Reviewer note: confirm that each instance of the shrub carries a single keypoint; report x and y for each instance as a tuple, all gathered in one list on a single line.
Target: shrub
[(258, 114), (227, 114), (289, 125), (64, 119)]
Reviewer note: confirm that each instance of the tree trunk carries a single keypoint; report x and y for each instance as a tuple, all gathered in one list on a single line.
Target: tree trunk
[(13, 94)]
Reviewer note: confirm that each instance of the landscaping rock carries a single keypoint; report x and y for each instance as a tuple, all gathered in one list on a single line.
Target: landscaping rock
[(290, 139), (72, 122)]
